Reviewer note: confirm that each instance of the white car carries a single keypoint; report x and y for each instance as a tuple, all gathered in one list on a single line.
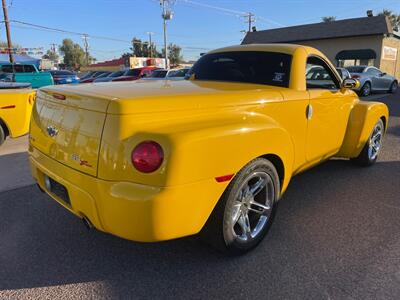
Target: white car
[(163, 74)]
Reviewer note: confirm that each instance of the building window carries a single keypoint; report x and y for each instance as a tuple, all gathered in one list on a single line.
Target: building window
[(355, 62), (365, 57)]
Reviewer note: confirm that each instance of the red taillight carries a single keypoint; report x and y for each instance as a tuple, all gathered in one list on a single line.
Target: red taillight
[(147, 156), (355, 76)]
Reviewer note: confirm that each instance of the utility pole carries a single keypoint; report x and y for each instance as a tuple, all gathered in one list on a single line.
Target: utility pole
[(166, 15), (250, 19), (9, 43), (86, 45), (150, 44)]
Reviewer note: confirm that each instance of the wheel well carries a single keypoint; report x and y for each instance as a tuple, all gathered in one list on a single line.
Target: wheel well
[(278, 163), (384, 121), (5, 128)]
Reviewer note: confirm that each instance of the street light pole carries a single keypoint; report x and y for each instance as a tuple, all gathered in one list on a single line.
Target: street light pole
[(7, 23)]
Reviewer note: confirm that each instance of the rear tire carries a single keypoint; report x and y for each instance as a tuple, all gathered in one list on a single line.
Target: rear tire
[(366, 89), (369, 154), (393, 87), (246, 209), (2, 135)]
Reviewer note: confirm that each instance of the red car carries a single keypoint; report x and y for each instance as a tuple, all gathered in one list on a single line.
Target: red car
[(135, 74)]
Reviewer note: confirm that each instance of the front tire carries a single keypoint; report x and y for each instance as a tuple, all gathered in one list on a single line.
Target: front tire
[(393, 87), (369, 154), (366, 89), (246, 210)]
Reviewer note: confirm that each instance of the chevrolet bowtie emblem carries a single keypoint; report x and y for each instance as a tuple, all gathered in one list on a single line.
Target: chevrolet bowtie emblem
[(52, 131)]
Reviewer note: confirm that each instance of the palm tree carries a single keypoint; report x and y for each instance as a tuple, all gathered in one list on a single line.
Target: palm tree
[(393, 18)]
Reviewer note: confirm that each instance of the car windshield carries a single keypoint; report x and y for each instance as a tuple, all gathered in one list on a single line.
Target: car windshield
[(178, 73), (258, 67), (158, 74), (116, 74), (133, 72), (87, 75), (105, 74), (355, 69)]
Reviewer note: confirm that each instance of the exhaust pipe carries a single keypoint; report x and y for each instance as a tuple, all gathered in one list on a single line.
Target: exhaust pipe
[(87, 223)]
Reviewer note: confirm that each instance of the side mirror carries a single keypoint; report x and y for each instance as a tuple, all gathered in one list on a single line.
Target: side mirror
[(351, 83), (383, 74)]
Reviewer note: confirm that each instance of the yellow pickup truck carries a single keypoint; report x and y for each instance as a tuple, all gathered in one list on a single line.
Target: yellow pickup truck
[(157, 160), (16, 101)]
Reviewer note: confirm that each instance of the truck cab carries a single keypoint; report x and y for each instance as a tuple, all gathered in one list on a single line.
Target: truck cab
[(28, 73)]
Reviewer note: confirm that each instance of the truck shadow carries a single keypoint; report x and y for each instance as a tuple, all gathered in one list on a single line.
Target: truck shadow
[(334, 211)]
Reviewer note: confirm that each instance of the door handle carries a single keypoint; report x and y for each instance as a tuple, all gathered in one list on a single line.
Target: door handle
[(309, 112)]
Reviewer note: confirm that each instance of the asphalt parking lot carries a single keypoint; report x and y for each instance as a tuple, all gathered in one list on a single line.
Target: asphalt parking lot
[(336, 236)]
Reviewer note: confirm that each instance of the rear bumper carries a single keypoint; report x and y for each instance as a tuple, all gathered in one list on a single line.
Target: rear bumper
[(128, 210)]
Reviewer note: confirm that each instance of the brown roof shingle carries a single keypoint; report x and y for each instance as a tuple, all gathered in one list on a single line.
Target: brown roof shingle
[(378, 25)]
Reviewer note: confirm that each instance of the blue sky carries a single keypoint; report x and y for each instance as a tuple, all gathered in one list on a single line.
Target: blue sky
[(196, 24)]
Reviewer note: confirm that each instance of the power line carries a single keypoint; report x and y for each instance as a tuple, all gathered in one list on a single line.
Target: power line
[(235, 13), (45, 28)]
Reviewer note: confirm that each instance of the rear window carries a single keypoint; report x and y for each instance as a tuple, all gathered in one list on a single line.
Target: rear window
[(258, 67), (355, 69)]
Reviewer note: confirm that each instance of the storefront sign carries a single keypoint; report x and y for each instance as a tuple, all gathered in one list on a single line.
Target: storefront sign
[(389, 53)]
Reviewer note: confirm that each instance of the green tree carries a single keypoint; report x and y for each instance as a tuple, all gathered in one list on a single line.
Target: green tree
[(4, 44), (74, 55), (142, 49), (52, 55), (174, 54), (393, 18), (329, 19), (139, 48)]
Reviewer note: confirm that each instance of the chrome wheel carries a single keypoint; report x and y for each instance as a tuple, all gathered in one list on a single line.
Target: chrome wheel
[(252, 206), (366, 90), (375, 141)]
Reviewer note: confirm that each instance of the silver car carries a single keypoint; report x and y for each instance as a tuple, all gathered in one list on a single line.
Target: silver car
[(163, 74), (372, 80)]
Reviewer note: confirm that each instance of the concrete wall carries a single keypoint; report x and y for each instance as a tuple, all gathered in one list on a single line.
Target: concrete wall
[(390, 66), (331, 47)]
